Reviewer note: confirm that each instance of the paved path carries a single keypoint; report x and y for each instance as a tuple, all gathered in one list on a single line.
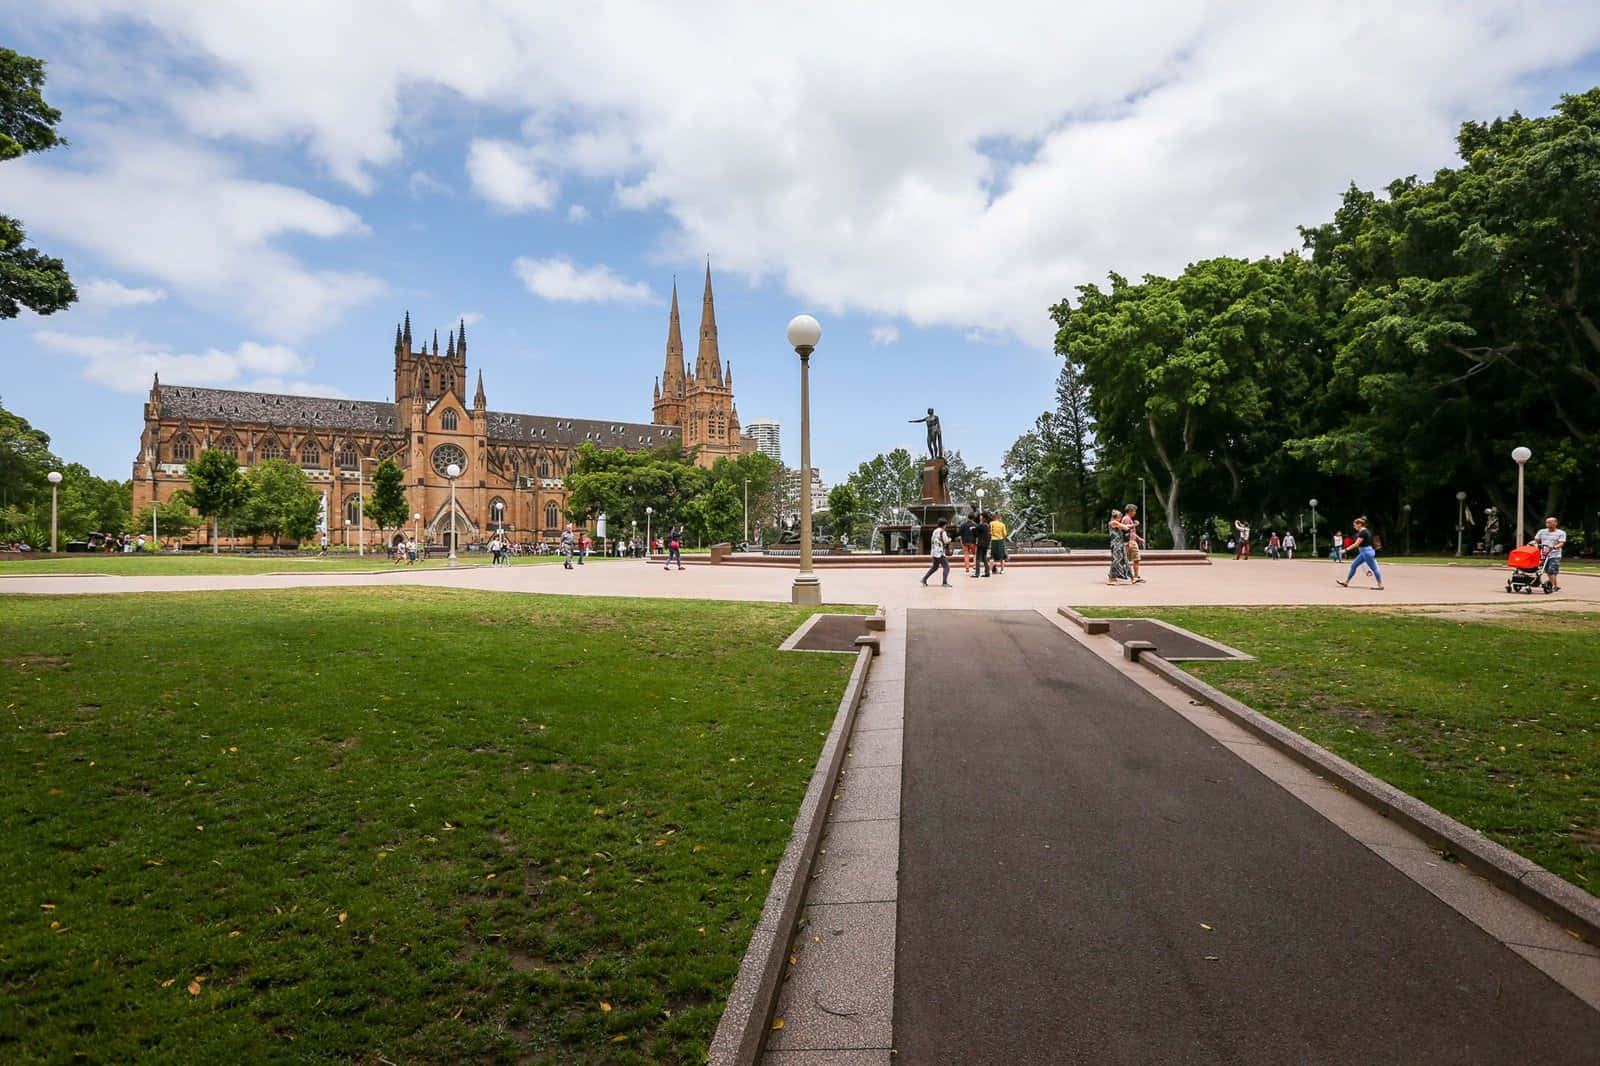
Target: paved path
[(1226, 582), (1087, 878)]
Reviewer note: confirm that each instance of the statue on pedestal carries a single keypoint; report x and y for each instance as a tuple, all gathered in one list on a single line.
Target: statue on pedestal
[(935, 438)]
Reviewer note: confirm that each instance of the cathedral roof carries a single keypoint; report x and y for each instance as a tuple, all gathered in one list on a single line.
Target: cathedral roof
[(274, 409), (317, 412)]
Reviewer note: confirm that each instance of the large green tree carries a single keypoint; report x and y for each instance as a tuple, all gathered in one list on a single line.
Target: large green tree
[(25, 459), (216, 488), (279, 501), (387, 505), (885, 485), (621, 484), (28, 277), (174, 519)]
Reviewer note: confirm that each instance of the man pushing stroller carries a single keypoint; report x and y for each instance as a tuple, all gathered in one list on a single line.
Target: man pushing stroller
[(1550, 541)]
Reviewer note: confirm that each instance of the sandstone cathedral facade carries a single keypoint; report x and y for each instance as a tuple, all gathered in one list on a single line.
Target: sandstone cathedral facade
[(513, 466)]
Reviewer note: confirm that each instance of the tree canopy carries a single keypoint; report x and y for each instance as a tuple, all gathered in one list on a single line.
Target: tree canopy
[(28, 277)]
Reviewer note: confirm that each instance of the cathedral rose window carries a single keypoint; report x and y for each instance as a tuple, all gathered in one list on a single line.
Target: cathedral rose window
[(445, 454)]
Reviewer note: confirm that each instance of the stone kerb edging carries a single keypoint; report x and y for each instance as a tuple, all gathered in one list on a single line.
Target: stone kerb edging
[(1555, 897), (743, 1027)]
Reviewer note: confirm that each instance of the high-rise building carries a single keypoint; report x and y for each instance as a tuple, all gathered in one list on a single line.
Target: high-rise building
[(765, 432)]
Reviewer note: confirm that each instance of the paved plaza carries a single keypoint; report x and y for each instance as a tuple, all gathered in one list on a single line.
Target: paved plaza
[(1223, 582)]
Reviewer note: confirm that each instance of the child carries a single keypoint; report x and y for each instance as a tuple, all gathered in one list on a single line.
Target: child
[(1337, 554)]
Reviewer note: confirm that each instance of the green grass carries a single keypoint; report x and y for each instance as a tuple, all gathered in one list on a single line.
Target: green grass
[(1494, 722), (399, 825), (191, 563)]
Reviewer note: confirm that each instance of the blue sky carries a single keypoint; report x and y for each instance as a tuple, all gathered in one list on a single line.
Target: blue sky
[(255, 193)]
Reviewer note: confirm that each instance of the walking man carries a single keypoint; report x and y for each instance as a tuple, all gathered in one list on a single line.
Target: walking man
[(1551, 539), (1241, 538), (567, 543), (940, 546), (1288, 545)]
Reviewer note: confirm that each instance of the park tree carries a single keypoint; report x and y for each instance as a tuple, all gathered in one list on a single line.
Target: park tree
[(622, 483), (885, 484), (174, 518), (844, 513), (216, 488), (764, 475), (388, 506), (279, 501), (88, 503), (25, 459), (28, 277)]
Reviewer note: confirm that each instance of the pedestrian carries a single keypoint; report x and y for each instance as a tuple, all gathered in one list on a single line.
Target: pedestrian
[(1130, 526), (1551, 539), (585, 546), (1205, 543), (568, 543), (940, 547), (674, 548), (968, 531), (1274, 545), (1119, 551), (411, 551), (324, 550), (1337, 554), (1241, 537), (1366, 555), (1288, 545), (494, 550), (980, 536), (997, 544)]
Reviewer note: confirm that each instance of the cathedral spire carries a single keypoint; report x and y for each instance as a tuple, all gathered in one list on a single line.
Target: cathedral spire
[(450, 346), (707, 363), (397, 339), (479, 404), (405, 337), (461, 334), (672, 383), (435, 342)]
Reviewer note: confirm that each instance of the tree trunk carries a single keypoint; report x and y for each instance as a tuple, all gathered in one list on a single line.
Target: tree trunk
[(214, 546)]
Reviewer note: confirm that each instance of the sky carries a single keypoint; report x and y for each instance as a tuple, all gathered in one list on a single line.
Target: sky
[(254, 194)]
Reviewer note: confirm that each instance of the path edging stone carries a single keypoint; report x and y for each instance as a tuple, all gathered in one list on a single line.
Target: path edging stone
[(1555, 897), (743, 1028)]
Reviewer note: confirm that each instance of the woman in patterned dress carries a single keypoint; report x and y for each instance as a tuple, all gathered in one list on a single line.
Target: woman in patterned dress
[(1120, 570)]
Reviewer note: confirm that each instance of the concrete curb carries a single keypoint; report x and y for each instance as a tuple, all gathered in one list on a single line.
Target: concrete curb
[(1556, 898), (743, 1028)]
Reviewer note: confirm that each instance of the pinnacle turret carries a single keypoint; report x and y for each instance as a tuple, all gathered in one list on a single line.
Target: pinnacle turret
[(672, 377), (708, 363)]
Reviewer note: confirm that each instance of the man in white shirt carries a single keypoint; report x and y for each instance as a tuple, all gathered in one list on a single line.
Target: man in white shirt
[(1550, 540), (1288, 545)]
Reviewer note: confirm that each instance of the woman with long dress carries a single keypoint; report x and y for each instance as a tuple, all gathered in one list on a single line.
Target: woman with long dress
[(1119, 551)]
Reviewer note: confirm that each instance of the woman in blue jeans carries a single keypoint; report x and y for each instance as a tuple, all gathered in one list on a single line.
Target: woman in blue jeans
[(1361, 544)]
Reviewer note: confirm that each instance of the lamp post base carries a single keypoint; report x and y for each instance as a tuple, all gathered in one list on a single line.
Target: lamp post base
[(807, 590)]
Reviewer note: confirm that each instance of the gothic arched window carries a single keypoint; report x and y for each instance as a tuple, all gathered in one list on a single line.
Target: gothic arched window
[(352, 510), (448, 419), (310, 455), (229, 446), (544, 466), (270, 449), (497, 510), (182, 449), (552, 515), (348, 460)]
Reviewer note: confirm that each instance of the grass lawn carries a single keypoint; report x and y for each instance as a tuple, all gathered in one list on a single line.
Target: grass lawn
[(185, 563), (400, 825), (1494, 722)]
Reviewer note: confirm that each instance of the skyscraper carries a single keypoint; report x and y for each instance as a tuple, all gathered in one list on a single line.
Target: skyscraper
[(766, 432)]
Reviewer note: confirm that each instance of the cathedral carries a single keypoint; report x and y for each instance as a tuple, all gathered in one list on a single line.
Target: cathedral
[(512, 466)]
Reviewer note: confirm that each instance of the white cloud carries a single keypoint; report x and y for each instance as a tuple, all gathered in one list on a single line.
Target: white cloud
[(104, 292), (422, 183), (561, 281), (577, 213), (885, 335), (127, 364), (506, 176), (185, 216), (937, 163)]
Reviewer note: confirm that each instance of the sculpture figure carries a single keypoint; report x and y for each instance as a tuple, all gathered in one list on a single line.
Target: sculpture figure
[(935, 438)]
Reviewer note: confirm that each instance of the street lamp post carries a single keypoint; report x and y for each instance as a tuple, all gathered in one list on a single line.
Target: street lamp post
[(746, 510), (1461, 513), (55, 481), (1521, 455), (804, 332), (452, 472), (1313, 528), (1144, 516), (980, 503), (649, 545), (1407, 509), (416, 528)]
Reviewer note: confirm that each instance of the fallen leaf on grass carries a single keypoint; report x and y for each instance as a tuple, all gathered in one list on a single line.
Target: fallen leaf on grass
[(342, 916), (605, 1006), (194, 988)]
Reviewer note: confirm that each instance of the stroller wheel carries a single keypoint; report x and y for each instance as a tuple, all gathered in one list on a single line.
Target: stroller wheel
[(1509, 588)]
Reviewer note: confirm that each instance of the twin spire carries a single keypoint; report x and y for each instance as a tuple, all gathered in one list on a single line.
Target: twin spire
[(708, 362)]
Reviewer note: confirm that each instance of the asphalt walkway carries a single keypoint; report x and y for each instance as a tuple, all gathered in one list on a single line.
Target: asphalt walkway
[(1085, 877)]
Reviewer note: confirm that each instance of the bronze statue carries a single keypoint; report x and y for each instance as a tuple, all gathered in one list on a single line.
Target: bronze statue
[(935, 438)]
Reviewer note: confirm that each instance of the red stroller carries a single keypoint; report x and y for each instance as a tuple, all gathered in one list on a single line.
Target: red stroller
[(1527, 570)]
